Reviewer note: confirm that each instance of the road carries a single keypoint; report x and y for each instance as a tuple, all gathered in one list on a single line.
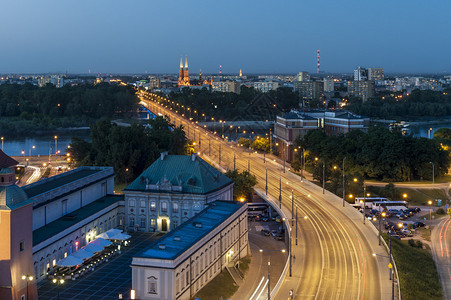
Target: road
[(441, 252), (334, 255)]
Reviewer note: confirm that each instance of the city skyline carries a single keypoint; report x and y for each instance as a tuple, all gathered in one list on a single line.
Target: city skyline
[(257, 37)]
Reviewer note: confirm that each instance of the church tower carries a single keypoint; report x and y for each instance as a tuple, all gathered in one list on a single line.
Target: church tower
[(186, 73), (17, 278), (181, 73)]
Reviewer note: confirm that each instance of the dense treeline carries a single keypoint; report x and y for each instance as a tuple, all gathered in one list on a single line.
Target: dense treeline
[(130, 150), (379, 154), (250, 104), (28, 107), (418, 105)]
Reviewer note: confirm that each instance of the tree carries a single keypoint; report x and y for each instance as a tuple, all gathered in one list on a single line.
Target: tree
[(244, 184)]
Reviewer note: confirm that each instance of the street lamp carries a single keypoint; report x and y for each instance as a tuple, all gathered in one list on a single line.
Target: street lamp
[(390, 269), (58, 283), (269, 266), (28, 278), (430, 215), (343, 171), (381, 215), (2, 142), (56, 144), (433, 171), (429, 133)]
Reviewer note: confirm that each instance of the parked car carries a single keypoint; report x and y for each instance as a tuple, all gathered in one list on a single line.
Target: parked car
[(265, 219), (278, 219), (417, 209), (280, 237), (258, 218), (265, 232), (274, 233), (389, 225), (418, 224)]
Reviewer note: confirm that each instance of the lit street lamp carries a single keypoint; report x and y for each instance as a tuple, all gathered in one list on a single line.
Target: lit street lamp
[(269, 267), (2, 142), (56, 145), (58, 283), (28, 278), (430, 215)]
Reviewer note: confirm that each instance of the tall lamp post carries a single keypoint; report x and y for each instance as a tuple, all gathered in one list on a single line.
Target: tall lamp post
[(381, 215), (433, 173), (269, 269), (58, 283), (28, 278), (343, 171), (56, 145), (430, 215), (2, 142)]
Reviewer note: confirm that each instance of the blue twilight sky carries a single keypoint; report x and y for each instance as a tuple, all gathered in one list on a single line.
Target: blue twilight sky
[(135, 36)]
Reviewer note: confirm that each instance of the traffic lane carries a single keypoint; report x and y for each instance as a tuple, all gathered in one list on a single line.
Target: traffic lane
[(218, 147), (440, 240)]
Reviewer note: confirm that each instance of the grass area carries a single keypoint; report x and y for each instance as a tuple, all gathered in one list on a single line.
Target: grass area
[(415, 197), (442, 179), (221, 286), (244, 265), (425, 233), (417, 272)]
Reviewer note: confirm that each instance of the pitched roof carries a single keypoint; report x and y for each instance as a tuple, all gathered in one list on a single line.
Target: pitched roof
[(180, 174), (189, 233), (6, 161)]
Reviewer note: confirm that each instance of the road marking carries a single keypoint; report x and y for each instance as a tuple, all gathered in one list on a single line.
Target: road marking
[(256, 290)]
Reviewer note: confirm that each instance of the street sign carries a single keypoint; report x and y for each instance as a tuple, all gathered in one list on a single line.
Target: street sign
[(390, 266)]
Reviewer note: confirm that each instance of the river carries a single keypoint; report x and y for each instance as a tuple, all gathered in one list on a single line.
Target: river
[(45, 143)]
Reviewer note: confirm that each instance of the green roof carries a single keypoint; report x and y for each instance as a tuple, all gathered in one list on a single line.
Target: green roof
[(12, 197), (57, 181), (55, 227), (180, 174)]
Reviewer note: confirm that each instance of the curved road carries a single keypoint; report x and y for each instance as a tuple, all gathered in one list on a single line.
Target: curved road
[(334, 255)]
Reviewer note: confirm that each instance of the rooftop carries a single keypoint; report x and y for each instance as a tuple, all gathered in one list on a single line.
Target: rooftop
[(55, 227), (57, 181), (6, 161), (180, 174), (189, 233)]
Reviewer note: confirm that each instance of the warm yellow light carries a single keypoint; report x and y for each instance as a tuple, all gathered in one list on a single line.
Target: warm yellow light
[(400, 225), (335, 167), (241, 199), (351, 195), (430, 202), (355, 179), (404, 195), (383, 214), (316, 158)]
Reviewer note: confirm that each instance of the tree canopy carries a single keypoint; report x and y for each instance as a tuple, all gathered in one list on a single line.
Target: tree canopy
[(130, 150), (244, 184)]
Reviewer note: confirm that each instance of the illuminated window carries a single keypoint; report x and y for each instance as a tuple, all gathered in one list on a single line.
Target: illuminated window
[(153, 206), (175, 207), (153, 223), (164, 206)]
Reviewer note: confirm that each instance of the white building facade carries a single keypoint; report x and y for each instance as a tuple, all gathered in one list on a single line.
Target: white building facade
[(179, 264), (171, 191)]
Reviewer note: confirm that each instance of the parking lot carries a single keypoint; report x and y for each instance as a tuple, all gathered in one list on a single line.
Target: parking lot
[(400, 223), (106, 282)]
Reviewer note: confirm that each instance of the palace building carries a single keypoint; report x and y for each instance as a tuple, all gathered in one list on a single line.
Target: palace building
[(172, 190)]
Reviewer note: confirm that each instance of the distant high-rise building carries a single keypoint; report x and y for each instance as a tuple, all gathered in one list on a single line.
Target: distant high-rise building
[(360, 74), (56, 80), (329, 85), (361, 89), (302, 76), (376, 74), (227, 86), (266, 86), (309, 90)]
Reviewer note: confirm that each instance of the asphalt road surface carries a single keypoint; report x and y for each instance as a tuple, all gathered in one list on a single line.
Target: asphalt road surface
[(334, 257)]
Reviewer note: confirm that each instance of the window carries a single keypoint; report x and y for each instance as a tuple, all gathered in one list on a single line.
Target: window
[(23, 296), (64, 206), (187, 277), (53, 262), (153, 206), (175, 224), (22, 246), (142, 223), (121, 221), (142, 203), (153, 223), (164, 206), (132, 222), (131, 203), (152, 281), (175, 207)]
